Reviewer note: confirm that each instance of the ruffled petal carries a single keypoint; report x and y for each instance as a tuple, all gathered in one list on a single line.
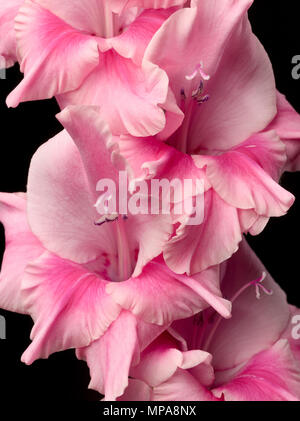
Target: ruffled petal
[(134, 40), (272, 375), (182, 386), (129, 95), (151, 158), (194, 248), (61, 209), (160, 296), (161, 359), (61, 59), (8, 12), (97, 149), (85, 15), (239, 179), (68, 304), (21, 248), (287, 125), (110, 357), (119, 5)]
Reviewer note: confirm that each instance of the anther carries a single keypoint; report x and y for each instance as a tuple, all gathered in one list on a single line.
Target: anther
[(182, 93)]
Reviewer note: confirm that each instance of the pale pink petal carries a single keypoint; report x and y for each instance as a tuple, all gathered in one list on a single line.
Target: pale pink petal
[(61, 209), (160, 296), (151, 158), (267, 150), (136, 391), (61, 59), (162, 165), (21, 248), (129, 95), (256, 323), (248, 96), (119, 5), (161, 359), (146, 233), (272, 375), (243, 183), (95, 145), (241, 85), (252, 223), (259, 225), (287, 125), (197, 247), (8, 12), (68, 305), (247, 218), (109, 358), (182, 386), (174, 116), (148, 332), (90, 16), (287, 121), (134, 40)]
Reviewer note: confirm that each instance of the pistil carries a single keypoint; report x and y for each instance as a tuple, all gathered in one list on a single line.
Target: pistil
[(110, 21), (123, 250), (190, 95)]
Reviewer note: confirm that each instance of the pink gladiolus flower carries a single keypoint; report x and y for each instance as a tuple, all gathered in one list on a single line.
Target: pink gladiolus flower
[(226, 89), (87, 54), (102, 289), (8, 11), (250, 357), (240, 188), (159, 308)]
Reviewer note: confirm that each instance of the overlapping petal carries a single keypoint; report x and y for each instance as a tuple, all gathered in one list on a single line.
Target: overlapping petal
[(61, 203), (93, 70), (119, 5), (68, 304), (160, 296), (287, 125), (272, 375), (110, 357), (243, 183), (256, 324), (194, 248), (129, 96), (21, 247), (218, 35), (102, 160), (62, 57), (8, 12)]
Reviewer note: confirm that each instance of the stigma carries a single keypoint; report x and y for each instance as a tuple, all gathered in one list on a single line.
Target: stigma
[(196, 93)]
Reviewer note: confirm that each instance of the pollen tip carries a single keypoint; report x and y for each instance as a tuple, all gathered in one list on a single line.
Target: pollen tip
[(263, 276)]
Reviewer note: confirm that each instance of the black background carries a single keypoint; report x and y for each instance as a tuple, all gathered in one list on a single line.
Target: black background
[(23, 129)]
